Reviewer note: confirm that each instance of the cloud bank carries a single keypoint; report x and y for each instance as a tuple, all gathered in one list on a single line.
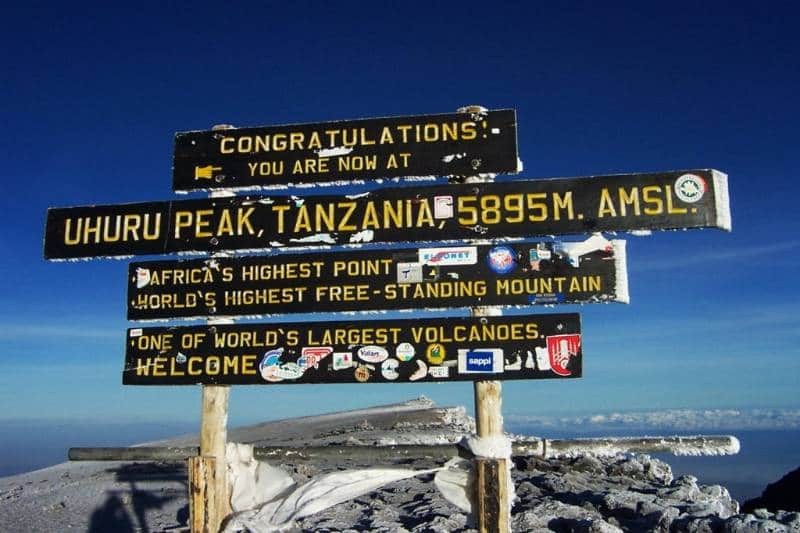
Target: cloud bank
[(675, 419)]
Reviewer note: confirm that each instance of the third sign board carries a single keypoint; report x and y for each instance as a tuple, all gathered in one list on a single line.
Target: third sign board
[(506, 274)]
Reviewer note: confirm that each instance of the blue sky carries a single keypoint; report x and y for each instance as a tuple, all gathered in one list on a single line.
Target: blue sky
[(91, 96)]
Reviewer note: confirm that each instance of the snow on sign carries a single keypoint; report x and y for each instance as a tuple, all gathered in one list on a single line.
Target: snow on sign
[(520, 208), (276, 156), (518, 274), (382, 351)]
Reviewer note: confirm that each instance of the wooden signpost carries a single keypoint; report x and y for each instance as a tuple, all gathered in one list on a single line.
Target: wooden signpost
[(465, 255), (510, 274), (456, 144)]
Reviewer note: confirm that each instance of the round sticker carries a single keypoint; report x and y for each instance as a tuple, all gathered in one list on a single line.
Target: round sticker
[(405, 351), (389, 369), (690, 188), (435, 353), (362, 373), (501, 259), (373, 354)]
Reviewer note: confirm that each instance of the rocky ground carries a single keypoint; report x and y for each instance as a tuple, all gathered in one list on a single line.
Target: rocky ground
[(580, 494)]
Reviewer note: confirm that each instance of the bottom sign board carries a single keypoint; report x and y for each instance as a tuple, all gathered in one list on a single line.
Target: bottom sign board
[(381, 351)]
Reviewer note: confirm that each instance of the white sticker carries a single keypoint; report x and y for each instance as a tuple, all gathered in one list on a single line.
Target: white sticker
[(409, 273), (420, 372), (439, 372), (389, 369), (690, 188), (373, 354), (136, 332), (342, 360), (405, 351), (142, 277), (462, 255), (442, 207)]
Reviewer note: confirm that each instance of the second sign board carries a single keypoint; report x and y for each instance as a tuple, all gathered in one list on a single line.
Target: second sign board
[(522, 208), (519, 274)]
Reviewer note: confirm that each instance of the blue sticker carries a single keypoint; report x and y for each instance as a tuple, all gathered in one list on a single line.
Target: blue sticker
[(479, 361), (551, 298), (501, 259), (271, 358)]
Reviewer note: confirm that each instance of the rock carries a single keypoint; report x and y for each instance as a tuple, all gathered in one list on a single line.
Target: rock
[(781, 495)]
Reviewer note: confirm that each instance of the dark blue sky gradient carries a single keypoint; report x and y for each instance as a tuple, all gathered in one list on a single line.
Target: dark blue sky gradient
[(91, 96)]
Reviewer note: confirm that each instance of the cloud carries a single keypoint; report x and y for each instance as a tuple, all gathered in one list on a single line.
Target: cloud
[(737, 254), (675, 419)]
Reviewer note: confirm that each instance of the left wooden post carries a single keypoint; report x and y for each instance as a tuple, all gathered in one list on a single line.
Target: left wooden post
[(201, 479), (213, 441)]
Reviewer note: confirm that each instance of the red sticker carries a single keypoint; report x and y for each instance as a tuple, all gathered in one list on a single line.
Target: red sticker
[(560, 349)]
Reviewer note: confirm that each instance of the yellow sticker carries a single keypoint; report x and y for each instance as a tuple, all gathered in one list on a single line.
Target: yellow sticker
[(435, 353)]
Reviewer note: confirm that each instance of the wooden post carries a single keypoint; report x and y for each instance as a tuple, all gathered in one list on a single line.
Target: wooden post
[(491, 480), (213, 440), (201, 478)]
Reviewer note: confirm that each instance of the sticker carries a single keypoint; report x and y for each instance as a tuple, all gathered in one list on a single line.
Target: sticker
[(549, 298), (430, 273), (560, 349), (480, 361), (142, 277), (362, 373), (420, 372), (501, 259), (542, 359), (465, 255), (180, 358), (136, 332), (409, 272), (372, 354), (268, 367), (572, 251), (529, 361), (342, 360), (312, 356), (516, 365), (442, 207), (405, 351), (289, 371), (389, 369), (435, 353), (538, 254), (439, 372), (690, 188)]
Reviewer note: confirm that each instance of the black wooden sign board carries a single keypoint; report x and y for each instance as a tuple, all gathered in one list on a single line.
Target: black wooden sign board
[(390, 351), (273, 156), (508, 274), (520, 208)]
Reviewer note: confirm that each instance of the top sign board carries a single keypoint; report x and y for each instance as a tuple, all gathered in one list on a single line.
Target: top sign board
[(276, 156), (520, 208)]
